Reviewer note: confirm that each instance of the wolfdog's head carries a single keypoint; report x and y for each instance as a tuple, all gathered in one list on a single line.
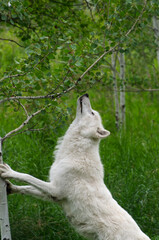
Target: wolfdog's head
[(88, 121)]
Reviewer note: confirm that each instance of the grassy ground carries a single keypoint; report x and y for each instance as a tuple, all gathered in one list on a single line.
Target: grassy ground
[(131, 162)]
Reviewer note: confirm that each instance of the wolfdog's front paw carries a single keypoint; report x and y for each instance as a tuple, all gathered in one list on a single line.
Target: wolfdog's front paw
[(5, 171)]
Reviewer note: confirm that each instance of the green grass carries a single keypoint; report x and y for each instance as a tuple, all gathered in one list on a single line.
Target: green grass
[(131, 163)]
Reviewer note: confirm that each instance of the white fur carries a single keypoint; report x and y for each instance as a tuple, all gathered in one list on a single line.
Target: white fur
[(76, 182)]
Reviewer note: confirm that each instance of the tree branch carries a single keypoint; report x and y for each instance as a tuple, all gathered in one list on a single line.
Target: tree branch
[(52, 96), (27, 130), (12, 76), (142, 90), (11, 40), (113, 48), (134, 90), (23, 108), (11, 133)]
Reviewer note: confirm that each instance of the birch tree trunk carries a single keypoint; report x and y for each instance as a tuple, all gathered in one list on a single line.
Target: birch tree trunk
[(156, 31), (116, 99), (4, 217), (122, 88)]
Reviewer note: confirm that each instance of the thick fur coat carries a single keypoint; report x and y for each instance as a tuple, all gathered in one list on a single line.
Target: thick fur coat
[(76, 181)]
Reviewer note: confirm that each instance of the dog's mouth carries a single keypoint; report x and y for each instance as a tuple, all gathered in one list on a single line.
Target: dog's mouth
[(81, 105), (81, 101)]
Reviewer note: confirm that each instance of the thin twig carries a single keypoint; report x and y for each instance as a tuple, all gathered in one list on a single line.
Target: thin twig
[(23, 108), (46, 55), (25, 73), (134, 90), (137, 20), (113, 48), (12, 76), (111, 67), (11, 40), (88, 5), (24, 123), (58, 85), (26, 130), (142, 90)]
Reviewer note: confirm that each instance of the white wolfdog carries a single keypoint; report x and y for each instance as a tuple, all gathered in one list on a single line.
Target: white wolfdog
[(76, 182)]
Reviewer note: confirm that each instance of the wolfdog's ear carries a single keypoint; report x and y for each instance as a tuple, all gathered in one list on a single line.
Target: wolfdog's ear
[(102, 133)]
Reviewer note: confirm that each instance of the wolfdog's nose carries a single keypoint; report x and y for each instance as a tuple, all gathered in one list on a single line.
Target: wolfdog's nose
[(85, 95), (81, 98)]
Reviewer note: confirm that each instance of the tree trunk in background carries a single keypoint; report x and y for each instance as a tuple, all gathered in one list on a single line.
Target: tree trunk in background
[(156, 31), (116, 99), (122, 88), (4, 217)]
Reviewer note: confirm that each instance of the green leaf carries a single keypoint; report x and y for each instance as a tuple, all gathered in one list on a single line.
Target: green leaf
[(3, 17)]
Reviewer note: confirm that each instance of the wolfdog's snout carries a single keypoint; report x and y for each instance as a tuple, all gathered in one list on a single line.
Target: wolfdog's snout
[(85, 95), (81, 101)]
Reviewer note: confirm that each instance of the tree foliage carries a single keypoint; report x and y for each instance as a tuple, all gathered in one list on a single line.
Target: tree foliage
[(50, 46)]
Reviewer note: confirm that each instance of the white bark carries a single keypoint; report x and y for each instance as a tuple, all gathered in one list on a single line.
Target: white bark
[(122, 88), (116, 100), (4, 217), (156, 31)]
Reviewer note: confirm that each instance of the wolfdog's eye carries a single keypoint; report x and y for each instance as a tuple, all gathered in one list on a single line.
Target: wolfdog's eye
[(92, 113)]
